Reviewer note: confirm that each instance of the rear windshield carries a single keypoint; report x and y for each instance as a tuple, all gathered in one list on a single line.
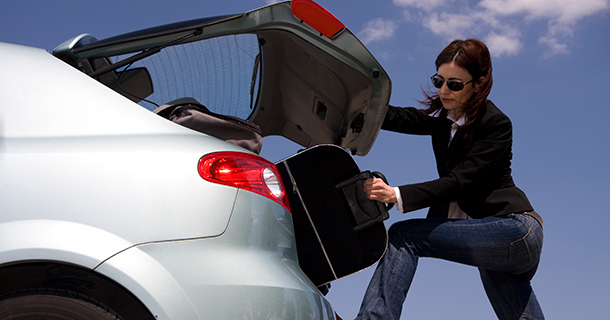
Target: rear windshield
[(222, 73)]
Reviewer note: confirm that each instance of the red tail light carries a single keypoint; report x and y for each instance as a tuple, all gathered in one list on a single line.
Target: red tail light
[(245, 171), (316, 16)]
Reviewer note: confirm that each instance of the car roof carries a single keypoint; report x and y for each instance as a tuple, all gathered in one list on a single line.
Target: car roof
[(315, 87)]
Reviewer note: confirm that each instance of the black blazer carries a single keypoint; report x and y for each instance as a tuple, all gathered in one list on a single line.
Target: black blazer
[(477, 174)]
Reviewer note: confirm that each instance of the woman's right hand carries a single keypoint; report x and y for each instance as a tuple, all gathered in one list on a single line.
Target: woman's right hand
[(376, 189)]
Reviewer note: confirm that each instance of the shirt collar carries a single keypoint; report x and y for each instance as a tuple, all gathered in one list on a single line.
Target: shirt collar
[(451, 116)]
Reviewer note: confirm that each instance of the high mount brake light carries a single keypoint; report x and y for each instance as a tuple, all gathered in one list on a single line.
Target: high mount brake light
[(245, 171), (316, 16)]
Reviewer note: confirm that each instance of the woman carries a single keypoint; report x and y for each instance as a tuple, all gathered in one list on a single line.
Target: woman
[(477, 216)]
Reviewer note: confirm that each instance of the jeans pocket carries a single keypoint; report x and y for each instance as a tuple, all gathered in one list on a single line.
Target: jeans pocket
[(525, 251)]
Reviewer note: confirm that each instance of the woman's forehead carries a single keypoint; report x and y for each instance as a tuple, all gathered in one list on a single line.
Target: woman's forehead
[(452, 71)]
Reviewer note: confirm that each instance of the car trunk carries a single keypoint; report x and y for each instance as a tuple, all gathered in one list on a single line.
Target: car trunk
[(273, 69), (293, 81)]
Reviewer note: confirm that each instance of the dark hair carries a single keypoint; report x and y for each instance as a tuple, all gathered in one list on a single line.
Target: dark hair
[(472, 55)]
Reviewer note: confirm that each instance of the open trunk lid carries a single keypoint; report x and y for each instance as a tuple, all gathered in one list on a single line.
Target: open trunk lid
[(291, 67)]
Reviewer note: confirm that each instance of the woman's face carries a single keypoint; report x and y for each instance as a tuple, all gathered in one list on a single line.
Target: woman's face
[(454, 100)]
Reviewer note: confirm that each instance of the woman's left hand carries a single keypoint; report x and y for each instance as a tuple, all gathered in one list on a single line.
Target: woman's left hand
[(376, 189)]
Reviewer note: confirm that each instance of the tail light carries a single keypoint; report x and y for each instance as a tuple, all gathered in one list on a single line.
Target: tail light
[(244, 171)]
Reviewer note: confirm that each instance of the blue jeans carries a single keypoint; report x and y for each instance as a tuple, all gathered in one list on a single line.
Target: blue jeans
[(505, 249)]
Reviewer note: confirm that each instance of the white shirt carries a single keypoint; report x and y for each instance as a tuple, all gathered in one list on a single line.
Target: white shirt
[(454, 209)]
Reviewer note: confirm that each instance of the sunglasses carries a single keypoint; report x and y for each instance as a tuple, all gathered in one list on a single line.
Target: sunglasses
[(453, 85)]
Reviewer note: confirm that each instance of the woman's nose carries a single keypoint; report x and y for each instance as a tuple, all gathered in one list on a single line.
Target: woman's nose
[(444, 89)]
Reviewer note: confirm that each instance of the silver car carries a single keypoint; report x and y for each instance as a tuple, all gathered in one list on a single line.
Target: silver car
[(109, 209)]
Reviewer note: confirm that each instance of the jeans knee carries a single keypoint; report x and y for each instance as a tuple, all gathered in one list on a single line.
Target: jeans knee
[(396, 232), (402, 235)]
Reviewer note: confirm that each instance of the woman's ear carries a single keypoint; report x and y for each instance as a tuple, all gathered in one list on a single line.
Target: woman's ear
[(477, 84)]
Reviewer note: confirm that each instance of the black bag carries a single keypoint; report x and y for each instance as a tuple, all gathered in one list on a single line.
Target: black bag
[(192, 114), (338, 230)]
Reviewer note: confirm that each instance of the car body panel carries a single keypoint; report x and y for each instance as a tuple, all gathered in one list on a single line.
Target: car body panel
[(75, 243), (107, 139), (255, 259)]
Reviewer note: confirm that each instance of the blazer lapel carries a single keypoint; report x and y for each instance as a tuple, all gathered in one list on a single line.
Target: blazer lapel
[(456, 141), (440, 144)]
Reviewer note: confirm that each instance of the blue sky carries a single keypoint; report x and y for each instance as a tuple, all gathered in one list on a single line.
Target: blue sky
[(552, 77)]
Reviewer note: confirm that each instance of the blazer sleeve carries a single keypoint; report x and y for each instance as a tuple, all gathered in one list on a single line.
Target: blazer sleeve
[(406, 120), (478, 169)]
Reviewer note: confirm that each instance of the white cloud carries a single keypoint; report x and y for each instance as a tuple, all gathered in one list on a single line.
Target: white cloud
[(377, 30), (421, 4), (449, 25), (554, 47), (503, 44), (566, 11), (500, 38), (562, 16), (501, 22)]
